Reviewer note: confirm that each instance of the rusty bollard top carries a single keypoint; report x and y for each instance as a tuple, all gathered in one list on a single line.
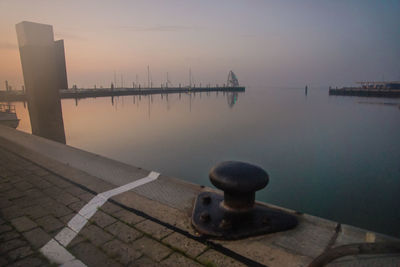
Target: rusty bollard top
[(239, 181)]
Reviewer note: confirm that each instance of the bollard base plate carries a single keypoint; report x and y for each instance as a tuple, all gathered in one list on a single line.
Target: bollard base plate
[(211, 219)]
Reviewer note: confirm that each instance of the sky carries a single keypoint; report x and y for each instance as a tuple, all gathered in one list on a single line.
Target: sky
[(266, 43)]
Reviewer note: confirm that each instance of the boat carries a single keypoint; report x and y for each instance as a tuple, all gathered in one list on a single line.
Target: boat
[(8, 116)]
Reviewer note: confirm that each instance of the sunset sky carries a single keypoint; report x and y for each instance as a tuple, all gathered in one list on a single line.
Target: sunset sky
[(271, 43)]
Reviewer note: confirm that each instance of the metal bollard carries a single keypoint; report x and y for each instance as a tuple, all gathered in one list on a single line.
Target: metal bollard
[(235, 214)]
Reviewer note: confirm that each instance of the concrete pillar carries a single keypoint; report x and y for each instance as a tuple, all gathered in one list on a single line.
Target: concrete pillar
[(40, 69)]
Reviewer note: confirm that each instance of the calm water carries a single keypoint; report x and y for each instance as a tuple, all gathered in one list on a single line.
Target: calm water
[(334, 157)]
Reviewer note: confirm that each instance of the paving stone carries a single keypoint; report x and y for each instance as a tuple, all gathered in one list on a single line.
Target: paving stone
[(41, 172), (124, 232), (20, 253), (34, 193), (86, 197), (177, 259), (37, 237), (75, 191), (43, 201), (36, 212), (23, 202), (58, 181), (43, 184), (23, 185), (57, 209), (53, 191), (33, 167), (185, 244), (9, 235), (37, 181), (12, 212), (102, 219), (5, 228), (91, 256), (154, 229), (128, 217), (66, 198), (78, 239), (110, 208), (11, 244), (122, 252), (23, 224), (77, 206), (6, 187), (145, 261), (214, 258), (152, 248), (4, 202), (31, 262), (65, 219), (50, 223), (13, 194), (95, 234), (16, 178), (3, 261)]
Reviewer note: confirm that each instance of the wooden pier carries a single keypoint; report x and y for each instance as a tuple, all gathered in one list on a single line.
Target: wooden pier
[(103, 92), (365, 92)]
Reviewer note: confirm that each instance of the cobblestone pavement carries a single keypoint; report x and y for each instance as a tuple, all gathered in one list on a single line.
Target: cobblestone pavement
[(36, 204)]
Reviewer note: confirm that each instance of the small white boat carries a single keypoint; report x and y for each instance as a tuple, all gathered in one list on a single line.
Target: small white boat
[(8, 116)]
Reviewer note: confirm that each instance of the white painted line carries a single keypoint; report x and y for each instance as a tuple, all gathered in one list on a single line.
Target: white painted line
[(65, 236), (74, 263), (77, 223), (56, 253), (116, 191), (91, 207), (55, 250)]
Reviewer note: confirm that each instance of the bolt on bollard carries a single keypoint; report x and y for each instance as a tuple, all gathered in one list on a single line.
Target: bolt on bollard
[(236, 214)]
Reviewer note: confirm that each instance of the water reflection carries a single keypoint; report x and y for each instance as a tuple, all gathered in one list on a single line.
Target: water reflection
[(327, 156), (232, 98)]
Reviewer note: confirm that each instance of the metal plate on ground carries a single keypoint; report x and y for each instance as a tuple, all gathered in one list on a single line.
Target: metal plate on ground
[(211, 219)]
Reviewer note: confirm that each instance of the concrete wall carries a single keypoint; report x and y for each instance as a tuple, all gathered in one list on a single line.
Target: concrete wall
[(61, 66), (39, 67)]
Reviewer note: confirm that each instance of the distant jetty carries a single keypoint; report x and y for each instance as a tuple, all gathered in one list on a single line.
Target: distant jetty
[(369, 89), (102, 92)]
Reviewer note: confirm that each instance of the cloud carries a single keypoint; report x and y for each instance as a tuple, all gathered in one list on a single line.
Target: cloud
[(8, 46), (165, 28)]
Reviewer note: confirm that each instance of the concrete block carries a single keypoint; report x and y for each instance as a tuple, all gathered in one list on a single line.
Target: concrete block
[(37, 237), (187, 245), (92, 256), (152, 248), (214, 258), (124, 232), (23, 224), (122, 252), (177, 259), (96, 235), (154, 229)]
